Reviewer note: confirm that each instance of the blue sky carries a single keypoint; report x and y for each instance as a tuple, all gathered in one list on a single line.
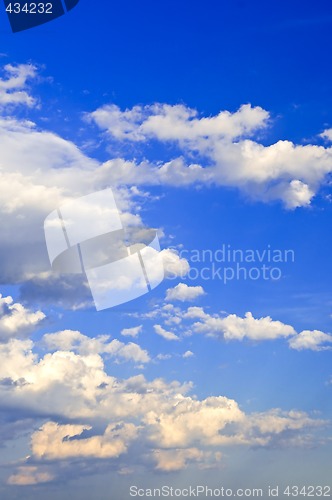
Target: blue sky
[(211, 122)]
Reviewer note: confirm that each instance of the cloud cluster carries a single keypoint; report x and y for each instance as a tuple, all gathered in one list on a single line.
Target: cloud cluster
[(84, 413), (16, 320), (231, 327), (314, 340), (39, 172), (91, 415), (69, 340), (223, 144), (177, 123), (132, 332), (184, 293), (326, 134), (13, 86), (51, 441), (167, 335)]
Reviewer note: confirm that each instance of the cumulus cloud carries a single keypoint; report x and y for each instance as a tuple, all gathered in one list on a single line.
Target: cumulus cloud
[(174, 265), (74, 385), (326, 134), (188, 354), (69, 340), (233, 327), (13, 86), (132, 332), (39, 172), (52, 442), (281, 171), (164, 333), (166, 122), (314, 340), (184, 293), (76, 398), (218, 421), (16, 320)]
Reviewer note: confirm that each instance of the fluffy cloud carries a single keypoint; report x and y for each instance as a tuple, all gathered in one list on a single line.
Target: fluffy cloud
[(233, 327), (40, 171), (132, 332), (16, 320), (184, 293), (90, 415), (176, 123), (164, 333), (12, 87), (313, 340), (218, 421), (281, 171), (51, 441), (69, 340), (74, 385), (174, 265), (326, 134)]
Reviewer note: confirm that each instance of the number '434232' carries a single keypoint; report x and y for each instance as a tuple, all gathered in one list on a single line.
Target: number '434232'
[(29, 8)]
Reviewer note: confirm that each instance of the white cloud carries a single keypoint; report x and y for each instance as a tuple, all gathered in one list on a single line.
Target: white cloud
[(184, 293), (281, 171), (69, 340), (326, 134), (12, 87), (313, 340), (16, 320), (171, 315), (195, 312), (233, 327), (51, 441), (218, 421), (179, 123), (132, 332), (192, 422), (174, 265), (188, 354), (164, 333), (75, 386), (40, 171), (155, 414)]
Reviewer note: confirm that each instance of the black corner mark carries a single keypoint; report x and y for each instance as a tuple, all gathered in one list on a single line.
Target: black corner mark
[(25, 14)]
